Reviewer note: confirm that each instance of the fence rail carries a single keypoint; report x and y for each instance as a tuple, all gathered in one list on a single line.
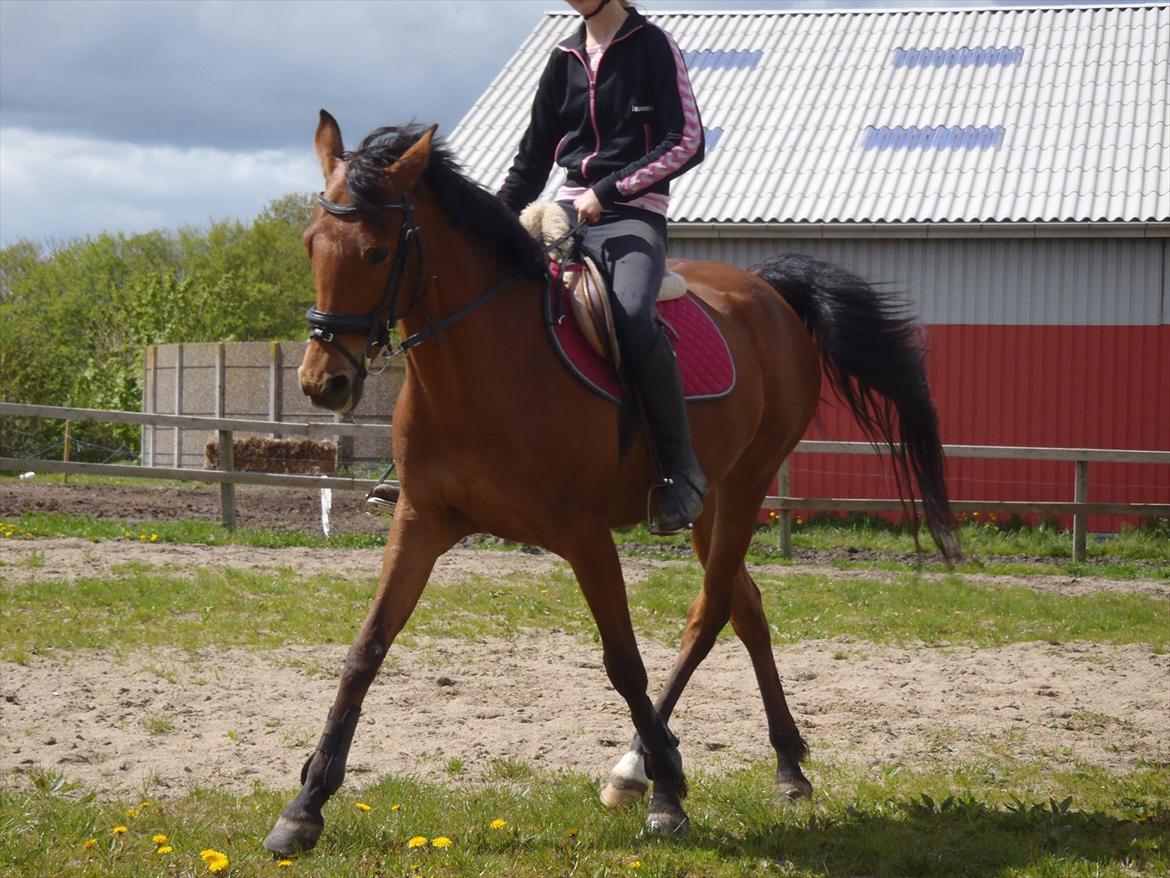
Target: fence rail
[(227, 476)]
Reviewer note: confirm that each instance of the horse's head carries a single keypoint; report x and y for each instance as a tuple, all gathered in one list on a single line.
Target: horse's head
[(360, 245)]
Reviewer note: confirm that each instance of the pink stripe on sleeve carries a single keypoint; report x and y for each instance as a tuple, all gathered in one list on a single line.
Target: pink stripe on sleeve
[(687, 146)]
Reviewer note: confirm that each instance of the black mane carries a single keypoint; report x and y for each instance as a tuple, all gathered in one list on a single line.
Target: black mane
[(469, 206)]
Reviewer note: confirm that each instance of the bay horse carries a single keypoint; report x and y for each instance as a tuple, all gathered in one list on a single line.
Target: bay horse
[(491, 433)]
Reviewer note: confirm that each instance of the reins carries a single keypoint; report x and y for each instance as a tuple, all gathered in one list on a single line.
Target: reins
[(325, 326)]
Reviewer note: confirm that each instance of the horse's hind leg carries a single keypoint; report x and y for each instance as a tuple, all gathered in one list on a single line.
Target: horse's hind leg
[(595, 562), (728, 589), (721, 538), (411, 551), (747, 618)]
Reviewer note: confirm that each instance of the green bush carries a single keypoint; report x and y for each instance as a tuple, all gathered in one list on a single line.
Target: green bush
[(76, 317)]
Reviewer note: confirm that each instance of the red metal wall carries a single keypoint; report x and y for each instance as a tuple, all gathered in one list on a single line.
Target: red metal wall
[(1059, 386)]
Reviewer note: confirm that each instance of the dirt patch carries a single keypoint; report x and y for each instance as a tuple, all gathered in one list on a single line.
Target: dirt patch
[(279, 509), (166, 721)]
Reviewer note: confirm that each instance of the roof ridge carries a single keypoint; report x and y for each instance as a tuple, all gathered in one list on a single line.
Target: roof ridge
[(887, 10)]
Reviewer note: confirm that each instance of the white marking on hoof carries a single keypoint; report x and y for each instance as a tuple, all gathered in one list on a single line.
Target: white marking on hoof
[(627, 782)]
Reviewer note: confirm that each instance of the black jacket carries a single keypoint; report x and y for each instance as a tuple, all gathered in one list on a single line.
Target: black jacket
[(626, 134)]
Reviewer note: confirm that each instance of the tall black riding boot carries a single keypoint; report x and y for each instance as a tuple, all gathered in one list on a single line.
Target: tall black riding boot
[(680, 499)]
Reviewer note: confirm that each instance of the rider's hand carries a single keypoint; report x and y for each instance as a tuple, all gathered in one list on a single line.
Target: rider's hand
[(588, 207)]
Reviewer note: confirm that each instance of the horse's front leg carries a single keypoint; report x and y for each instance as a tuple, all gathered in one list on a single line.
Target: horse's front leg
[(595, 562), (413, 546)]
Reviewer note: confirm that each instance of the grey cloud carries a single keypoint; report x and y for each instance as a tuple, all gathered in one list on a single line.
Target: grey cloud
[(247, 75)]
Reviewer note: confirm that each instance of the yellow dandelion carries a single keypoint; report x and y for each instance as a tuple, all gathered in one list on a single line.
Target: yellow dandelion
[(284, 864), (572, 833), (159, 839), (164, 849), (216, 862), (498, 824), (441, 842), (144, 804), (154, 538), (419, 841), (90, 843), (131, 813), (396, 806), (118, 830), (637, 864), (361, 806), (142, 537)]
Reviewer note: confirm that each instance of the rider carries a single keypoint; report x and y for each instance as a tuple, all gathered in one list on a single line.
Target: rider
[(614, 108)]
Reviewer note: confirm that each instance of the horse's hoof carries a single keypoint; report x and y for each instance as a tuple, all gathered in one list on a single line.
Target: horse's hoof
[(290, 836), (667, 821), (789, 788), (627, 782), (623, 795)]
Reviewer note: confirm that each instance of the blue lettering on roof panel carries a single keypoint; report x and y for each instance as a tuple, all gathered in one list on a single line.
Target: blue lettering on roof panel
[(964, 56), (723, 59), (929, 137)]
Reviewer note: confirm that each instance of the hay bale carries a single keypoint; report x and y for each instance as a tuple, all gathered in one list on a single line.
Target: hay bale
[(264, 455)]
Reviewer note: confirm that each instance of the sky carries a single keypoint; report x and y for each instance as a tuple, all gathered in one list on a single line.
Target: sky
[(133, 115)]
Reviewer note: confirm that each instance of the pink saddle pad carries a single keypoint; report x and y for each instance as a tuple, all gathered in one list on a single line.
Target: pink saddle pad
[(704, 360)]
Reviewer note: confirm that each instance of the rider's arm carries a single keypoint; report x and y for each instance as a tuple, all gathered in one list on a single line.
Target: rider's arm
[(534, 158)]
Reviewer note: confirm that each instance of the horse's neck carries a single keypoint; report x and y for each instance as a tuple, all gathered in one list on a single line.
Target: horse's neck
[(488, 344)]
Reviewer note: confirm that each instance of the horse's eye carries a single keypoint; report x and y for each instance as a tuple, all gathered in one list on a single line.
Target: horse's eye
[(377, 257)]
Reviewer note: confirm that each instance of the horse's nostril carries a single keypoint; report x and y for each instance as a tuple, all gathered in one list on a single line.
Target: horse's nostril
[(337, 384)]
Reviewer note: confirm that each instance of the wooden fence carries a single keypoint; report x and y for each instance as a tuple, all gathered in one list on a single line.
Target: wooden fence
[(227, 477)]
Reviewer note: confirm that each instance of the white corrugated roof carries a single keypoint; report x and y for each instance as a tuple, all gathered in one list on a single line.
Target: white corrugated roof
[(1051, 114)]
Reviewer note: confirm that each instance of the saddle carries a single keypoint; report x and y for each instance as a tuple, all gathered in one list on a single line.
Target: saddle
[(584, 280)]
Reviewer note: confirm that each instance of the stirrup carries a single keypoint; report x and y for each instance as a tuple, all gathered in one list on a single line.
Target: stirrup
[(653, 522), (387, 503), (384, 504)]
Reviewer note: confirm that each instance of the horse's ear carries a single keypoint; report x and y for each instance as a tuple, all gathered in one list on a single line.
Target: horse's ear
[(405, 172), (327, 142)]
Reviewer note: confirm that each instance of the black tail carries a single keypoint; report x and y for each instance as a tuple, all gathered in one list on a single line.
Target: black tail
[(872, 351)]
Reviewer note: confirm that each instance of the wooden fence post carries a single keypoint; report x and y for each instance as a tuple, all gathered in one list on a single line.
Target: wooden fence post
[(68, 442), (1080, 520), (227, 490), (275, 387), (178, 404), (782, 488)]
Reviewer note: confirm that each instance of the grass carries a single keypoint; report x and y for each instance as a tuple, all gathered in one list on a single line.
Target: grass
[(988, 818), (1002, 548), (217, 608)]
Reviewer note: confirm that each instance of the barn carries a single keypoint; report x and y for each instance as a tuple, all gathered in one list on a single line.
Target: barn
[(1008, 169)]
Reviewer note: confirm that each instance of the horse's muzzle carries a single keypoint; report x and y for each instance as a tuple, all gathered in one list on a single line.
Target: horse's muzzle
[(337, 392)]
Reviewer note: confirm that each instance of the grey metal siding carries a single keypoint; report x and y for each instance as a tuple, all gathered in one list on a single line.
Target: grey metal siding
[(1053, 282)]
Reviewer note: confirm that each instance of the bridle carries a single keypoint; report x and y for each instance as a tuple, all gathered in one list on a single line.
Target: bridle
[(325, 326)]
